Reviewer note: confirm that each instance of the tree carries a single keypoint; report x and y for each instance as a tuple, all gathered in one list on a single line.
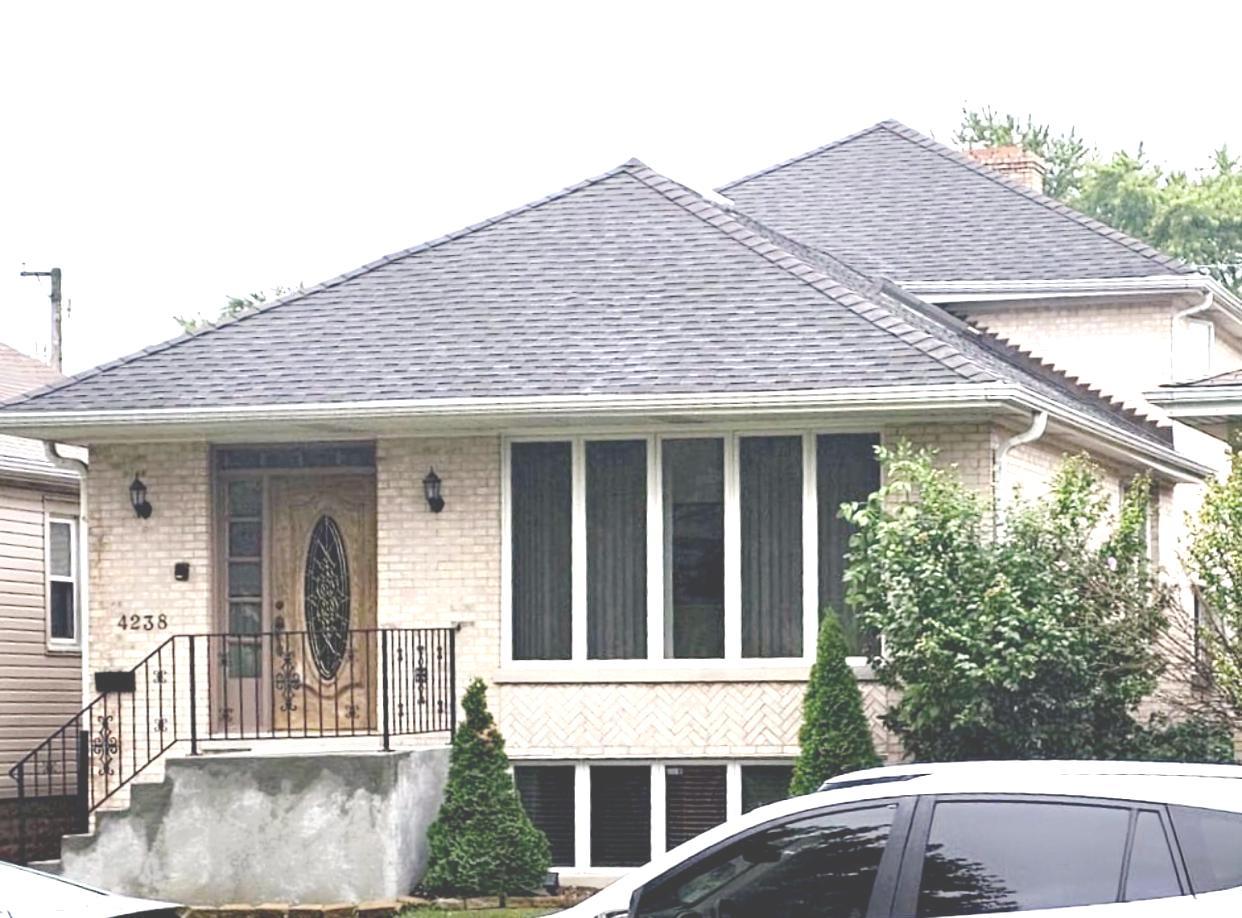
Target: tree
[(233, 307), (482, 842), (834, 737), (1214, 562), (1196, 217), (1066, 154), (1037, 642)]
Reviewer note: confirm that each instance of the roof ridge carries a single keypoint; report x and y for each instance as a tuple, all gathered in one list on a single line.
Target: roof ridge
[(840, 141), (1137, 246), (862, 306), (383, 261)]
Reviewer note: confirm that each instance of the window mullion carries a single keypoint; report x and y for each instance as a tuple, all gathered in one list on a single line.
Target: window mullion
[(578, 548), (655, 554), (810, 548), (732, 552), (582, 816), (659, 811), (733, 790)]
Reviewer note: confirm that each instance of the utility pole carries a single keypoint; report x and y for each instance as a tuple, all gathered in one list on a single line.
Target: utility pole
[(54, 274)]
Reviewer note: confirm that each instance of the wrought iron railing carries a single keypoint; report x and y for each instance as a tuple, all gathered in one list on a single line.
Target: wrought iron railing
[(195, 688)]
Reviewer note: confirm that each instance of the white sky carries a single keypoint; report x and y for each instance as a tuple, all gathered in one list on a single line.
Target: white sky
[(167, 154)]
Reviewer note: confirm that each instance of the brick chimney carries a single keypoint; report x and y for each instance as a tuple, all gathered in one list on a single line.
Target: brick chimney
[(1014, 163)]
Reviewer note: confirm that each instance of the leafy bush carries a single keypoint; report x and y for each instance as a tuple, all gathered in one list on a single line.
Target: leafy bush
[(1195, 739), (835, 737), (482, 842), (1037, 640)]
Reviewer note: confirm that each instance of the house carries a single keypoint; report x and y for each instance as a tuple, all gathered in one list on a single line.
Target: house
[(40, 596), (600, 441)]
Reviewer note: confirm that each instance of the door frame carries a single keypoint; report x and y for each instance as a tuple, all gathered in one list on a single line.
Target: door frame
[(220, 479)]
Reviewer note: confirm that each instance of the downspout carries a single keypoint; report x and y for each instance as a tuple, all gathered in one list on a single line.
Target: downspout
[(79, 468), (1039, 424), (1204, 306)]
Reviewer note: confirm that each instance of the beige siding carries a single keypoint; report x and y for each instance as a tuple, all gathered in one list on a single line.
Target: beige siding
[(39, 689)]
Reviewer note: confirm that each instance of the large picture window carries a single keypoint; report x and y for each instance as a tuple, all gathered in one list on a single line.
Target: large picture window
[(706, 547)]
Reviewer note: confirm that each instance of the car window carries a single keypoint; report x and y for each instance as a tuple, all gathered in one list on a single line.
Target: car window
[(1151, 873), (1211, 843), (1004, 856), (822, 866)]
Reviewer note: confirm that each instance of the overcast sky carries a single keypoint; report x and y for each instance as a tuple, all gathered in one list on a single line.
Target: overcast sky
[(167, 154)]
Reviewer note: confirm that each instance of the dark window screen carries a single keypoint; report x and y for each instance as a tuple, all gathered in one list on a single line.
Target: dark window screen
[(818, 867), (764, 784), (846, 470), (1151, 874), (771, 508), (985, 857), (620, 815), (616, 509), (694, 797), (63, 619), (1212, 846), (541, 500), (547, 793), (693, 480)]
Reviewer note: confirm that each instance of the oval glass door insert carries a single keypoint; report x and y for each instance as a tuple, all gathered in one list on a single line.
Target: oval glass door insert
[(326, 597)]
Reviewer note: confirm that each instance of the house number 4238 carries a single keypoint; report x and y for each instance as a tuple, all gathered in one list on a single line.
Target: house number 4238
[(142, 622)]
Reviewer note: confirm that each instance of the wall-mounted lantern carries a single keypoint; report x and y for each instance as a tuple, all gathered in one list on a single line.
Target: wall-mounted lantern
[(431, 490), (138, 497)]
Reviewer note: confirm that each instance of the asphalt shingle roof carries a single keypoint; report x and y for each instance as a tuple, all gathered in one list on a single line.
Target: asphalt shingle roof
[(19, 374), (894, 202), (628, 283)]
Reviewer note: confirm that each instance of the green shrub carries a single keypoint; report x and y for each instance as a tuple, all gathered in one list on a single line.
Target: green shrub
[(1037, 639), (1195, 739), (482, 842), (834, 737)]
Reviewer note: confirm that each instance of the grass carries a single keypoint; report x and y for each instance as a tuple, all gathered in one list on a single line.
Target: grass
[(423, 912)]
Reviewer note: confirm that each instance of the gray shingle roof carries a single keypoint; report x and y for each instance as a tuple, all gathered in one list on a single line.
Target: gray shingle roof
[(893, 202), (19, 455), (628, 283)]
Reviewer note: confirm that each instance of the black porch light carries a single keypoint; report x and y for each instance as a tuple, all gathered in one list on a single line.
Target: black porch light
[(431, 490), (138, 497)]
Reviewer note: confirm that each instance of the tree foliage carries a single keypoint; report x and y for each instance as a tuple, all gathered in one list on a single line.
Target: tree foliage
[(1038, 641), (233, 307), (835, 736), (1214, 561), (1195, 216), (482, 842)]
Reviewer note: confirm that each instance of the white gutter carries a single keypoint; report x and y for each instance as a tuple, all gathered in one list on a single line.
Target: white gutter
[(80, 469), (1205, 305), (942, 292)]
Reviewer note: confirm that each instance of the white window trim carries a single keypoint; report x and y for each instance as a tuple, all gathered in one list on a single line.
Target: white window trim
[(659, 818), (656, 620), (64, 645)]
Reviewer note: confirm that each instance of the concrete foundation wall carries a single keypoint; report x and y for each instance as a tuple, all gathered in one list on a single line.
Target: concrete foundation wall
[(327, 827)]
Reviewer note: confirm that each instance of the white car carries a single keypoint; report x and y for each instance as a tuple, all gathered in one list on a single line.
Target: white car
[(26, 893), (1124, 839)]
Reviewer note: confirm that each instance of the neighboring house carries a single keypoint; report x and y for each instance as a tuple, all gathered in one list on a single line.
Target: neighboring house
[(40, 635), (605, 436)]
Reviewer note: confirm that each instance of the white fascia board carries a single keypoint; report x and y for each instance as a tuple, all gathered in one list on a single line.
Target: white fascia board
[(1190, 401), (499, 414), (1102, 288)]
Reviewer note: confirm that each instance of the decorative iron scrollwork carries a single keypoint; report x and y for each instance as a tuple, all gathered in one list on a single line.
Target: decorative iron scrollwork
[(161, 677), (420, 674), (104, 746), (351, 711), (287, 681), (326, 591), (161, 725)]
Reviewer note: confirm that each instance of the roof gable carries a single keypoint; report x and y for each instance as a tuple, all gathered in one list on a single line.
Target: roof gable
[(894, 202)]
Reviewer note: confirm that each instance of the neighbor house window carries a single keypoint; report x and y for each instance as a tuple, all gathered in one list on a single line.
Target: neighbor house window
[(62, 579), (680, 548)]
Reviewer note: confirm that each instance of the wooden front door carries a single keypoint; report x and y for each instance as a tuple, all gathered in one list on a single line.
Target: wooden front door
[(323, 603)]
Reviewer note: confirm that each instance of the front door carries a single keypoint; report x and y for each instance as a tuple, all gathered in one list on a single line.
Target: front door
[(322, 603)]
